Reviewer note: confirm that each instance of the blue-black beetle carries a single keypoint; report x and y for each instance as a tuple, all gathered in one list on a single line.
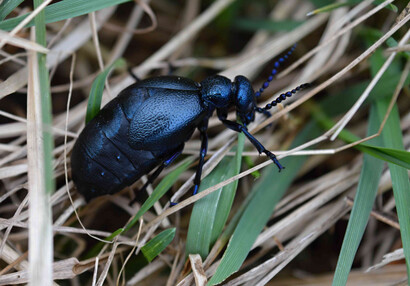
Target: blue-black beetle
[(147, 124)]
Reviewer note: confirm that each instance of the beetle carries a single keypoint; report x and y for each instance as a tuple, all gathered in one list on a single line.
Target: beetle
[(147, 124)]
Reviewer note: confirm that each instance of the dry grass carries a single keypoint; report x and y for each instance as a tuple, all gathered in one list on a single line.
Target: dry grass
[(301, 243)]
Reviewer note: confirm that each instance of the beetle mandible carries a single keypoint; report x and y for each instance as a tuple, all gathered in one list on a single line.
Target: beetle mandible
[(147, 124)]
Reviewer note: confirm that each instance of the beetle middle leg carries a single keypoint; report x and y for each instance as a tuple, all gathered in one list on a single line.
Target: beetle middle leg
[(158, 171), (261, 149), (204, 149)]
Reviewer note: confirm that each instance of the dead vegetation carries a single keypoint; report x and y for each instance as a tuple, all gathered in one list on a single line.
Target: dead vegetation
[(301, 242)]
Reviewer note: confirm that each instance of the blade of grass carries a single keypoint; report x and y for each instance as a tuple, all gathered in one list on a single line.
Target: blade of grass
[(156, 245), (382, 89), (363, 202), (63, 10), (395, 156), (392, 137), (202, 233), (272, 26), (270, 188), (40, 222), (331, 7), (45, 100), (398, 157), (6, 7), (225, 204), (96, 92), (160, 190), (371, 169)]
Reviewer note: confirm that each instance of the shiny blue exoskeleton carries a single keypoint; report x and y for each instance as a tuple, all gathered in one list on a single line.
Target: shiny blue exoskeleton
[(147, 124)]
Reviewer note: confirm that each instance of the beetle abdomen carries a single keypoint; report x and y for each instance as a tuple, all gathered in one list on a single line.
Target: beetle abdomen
[(102, 160)]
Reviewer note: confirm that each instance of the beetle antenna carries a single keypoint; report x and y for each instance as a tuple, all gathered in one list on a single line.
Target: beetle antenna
[(276, 65), (282, 97)]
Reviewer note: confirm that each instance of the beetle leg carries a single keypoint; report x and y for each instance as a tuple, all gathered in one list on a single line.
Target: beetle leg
[(261, 149), (133, 75), (171, 68), (158, 171), (174, 156), (204, 149), (153, 176)]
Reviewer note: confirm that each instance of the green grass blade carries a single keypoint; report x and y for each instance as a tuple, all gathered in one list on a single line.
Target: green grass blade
[(7, 6), (160, 190), (270, 188), (40, 235), (202, 233), (267, 25), (156, 245), (96, 92), (45, 101), (371, 169), (395, 156), (398, 157), (392, 137), (228, 195), (63, 10), (363, 203), (331, 7)]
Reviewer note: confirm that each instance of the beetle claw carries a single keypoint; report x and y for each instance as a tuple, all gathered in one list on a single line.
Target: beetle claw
[(275, 160), (196, 187)]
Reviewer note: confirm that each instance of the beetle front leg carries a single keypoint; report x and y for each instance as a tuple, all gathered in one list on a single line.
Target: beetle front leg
[(261, 149)]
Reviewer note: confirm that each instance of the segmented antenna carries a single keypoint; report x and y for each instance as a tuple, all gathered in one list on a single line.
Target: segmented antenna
[(274, 71), (282, 97)]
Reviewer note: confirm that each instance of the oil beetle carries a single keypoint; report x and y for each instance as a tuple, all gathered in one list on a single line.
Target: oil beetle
[(146, 126)]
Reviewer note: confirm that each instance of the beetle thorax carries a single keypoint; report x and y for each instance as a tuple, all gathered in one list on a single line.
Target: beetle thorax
[(217, 92)]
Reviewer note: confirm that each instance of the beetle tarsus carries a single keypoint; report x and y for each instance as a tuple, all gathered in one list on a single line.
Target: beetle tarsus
[(274, 159), (196, 187), (261, 149)]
